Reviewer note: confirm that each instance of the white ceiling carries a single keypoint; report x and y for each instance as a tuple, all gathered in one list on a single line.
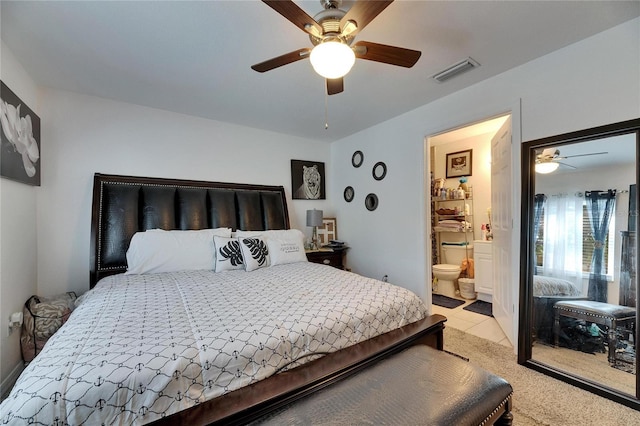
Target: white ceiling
[(194, 57), (618, 151)]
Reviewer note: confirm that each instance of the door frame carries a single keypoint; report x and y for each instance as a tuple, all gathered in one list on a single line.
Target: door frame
[(463, 120)]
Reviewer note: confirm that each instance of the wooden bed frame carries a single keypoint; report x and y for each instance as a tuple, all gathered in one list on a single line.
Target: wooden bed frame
[(124, 205)]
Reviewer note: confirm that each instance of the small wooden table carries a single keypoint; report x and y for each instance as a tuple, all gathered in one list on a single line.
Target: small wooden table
[(331, 257), (611, 316)]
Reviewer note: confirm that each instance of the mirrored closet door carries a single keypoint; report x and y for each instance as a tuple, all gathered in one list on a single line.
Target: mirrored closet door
[(579, 303)]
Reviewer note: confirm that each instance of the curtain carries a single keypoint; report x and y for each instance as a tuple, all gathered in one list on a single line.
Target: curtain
[(538, 205), (562, 244), (600, 205)]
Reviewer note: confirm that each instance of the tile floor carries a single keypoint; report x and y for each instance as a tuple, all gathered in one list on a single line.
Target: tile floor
[(472, 323)]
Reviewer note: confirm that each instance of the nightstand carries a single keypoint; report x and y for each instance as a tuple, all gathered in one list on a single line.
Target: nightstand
[(335, 258)]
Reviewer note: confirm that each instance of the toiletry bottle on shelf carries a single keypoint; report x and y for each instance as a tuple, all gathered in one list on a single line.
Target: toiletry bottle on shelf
[(484, 232)]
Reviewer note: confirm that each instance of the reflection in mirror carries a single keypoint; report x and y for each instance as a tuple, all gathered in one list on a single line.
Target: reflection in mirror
[(581, 209), (580, 282)]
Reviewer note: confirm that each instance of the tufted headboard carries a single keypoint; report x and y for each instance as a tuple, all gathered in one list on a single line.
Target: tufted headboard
[(124, 205)]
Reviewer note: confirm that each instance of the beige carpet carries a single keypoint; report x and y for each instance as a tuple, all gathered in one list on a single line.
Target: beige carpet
[(539, 399), (594, 367)]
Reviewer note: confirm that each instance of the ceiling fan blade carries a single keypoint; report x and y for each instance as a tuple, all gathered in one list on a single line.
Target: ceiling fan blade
[(279, 61), (566, 165), (584, 155), (386, 54), (297, 16), (362, 12), (335, 85)]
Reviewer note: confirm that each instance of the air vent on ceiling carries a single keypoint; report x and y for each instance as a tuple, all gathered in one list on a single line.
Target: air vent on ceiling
[(456, 69)]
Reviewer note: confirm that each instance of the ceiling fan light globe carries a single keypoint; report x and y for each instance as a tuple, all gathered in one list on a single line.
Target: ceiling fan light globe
[(546, 167), (332, 59)]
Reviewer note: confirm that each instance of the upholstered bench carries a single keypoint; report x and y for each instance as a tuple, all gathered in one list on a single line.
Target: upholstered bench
[(419, 386), (611, 316)]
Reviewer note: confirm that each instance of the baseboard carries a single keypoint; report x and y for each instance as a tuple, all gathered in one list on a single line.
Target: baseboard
[(485, 297), (10, 380)]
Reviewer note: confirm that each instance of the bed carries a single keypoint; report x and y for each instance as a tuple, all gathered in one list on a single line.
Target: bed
[(547, 291), (200, 346)]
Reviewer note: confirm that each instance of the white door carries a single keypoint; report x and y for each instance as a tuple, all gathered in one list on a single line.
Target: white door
[(501, 220)]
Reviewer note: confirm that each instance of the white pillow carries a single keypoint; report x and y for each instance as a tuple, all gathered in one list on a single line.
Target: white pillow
[(228, 254), (157, 251), (267, 234), (286, 247), (255, 252)]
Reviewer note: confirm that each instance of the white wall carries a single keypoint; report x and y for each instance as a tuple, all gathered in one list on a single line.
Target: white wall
[(85, 135), (18, 231), (591, 83)]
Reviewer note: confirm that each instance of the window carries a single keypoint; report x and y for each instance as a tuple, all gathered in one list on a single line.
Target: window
[(588, 242), (539, 239)]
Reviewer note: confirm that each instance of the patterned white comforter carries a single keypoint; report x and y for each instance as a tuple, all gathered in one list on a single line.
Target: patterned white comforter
[(139, 347)]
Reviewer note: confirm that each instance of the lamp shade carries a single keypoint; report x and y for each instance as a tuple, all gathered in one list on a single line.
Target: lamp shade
[(546, 167), (314, 217), (332, 59)]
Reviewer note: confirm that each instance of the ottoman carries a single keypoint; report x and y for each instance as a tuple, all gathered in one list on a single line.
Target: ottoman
[(419, 386), (611, 316)]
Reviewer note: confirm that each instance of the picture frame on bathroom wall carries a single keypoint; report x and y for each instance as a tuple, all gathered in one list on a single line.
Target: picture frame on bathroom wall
[(459, 163)]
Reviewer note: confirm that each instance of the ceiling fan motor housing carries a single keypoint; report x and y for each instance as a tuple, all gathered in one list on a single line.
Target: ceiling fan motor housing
[(329, 20)]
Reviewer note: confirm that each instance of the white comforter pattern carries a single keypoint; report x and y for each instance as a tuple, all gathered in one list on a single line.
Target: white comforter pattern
[(141, 347)]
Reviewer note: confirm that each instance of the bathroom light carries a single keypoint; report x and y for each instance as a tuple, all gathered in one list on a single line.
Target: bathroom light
[(332, 58), (546, 167)]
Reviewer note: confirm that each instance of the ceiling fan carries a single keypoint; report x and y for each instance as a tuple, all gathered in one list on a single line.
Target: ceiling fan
[(332, 32), (549, 160)]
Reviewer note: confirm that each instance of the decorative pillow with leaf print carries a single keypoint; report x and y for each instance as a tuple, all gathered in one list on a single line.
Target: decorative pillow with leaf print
[(228, 254), (255, 253)]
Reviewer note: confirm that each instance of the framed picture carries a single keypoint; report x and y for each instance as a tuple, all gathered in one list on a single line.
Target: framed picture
[(307, 180), (19, 139), (459, 163), (328, 231)]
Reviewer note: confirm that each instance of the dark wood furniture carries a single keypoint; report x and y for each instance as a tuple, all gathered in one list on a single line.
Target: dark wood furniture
[(124, 205), (331, 257), (419, 386), (628, 281), (611, 316)]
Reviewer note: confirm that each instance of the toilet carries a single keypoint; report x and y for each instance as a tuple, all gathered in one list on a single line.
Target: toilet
[(447, 273)]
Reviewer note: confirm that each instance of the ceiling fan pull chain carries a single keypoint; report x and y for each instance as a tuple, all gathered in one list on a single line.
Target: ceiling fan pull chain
[(326, 110)]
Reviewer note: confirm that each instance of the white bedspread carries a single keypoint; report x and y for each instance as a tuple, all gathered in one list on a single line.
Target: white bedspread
[(142, 346)]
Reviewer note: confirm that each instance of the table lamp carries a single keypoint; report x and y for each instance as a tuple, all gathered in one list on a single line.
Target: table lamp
[(314, 218)]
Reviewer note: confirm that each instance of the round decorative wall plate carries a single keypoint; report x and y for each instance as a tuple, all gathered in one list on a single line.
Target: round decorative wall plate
[(371, 202), (379, 170), (349, 193), (357, 159)]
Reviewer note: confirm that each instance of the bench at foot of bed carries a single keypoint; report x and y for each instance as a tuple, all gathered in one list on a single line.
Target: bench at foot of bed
[(419, 386)]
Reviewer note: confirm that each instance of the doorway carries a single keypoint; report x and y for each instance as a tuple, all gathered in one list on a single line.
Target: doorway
[(474, 218)]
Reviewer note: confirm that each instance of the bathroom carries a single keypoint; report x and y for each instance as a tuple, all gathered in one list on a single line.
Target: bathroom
[(460, 220)]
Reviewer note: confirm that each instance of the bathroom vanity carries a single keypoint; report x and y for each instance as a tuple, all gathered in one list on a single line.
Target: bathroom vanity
[(483, 261)]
